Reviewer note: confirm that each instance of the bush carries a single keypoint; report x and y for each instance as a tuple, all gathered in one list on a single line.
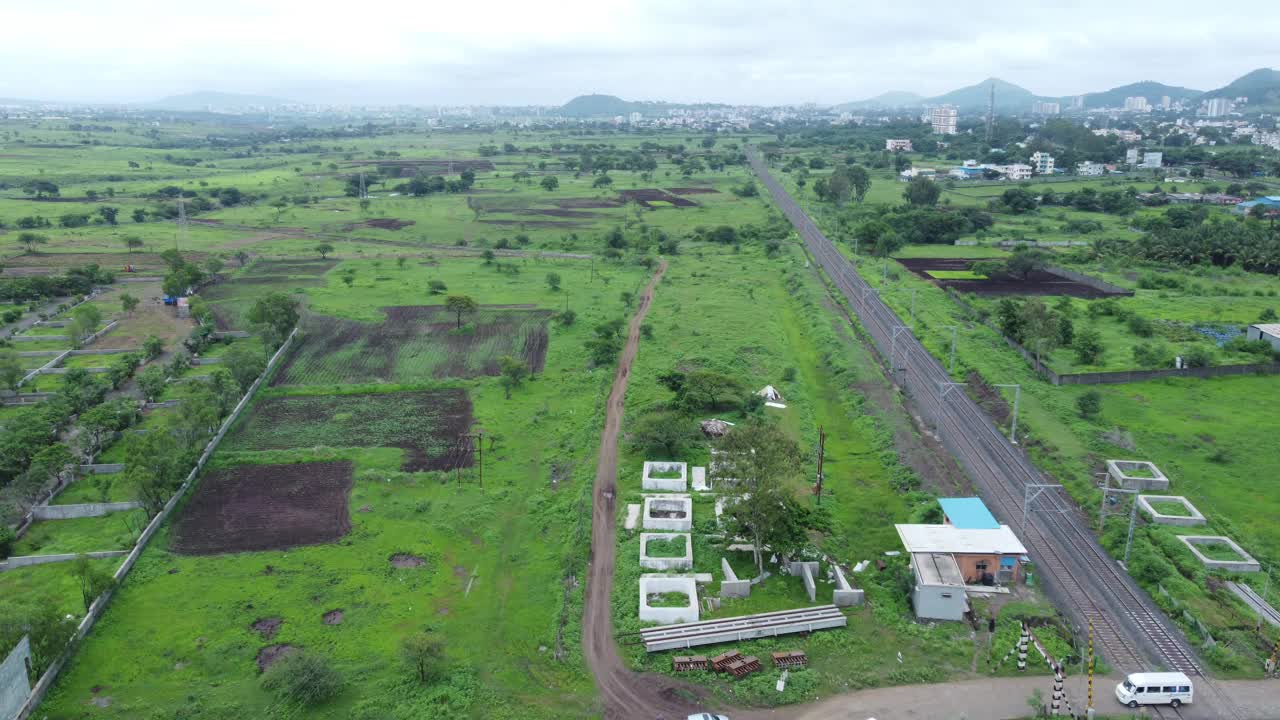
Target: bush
[(1141, 326), (302, 678), (7, 539), (1089, 404), (1198, 357)]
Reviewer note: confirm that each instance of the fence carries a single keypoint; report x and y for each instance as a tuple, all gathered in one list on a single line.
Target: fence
[(99, 605)]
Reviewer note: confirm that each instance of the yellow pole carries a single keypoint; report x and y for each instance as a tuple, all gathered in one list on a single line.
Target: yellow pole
[(1090, 707)]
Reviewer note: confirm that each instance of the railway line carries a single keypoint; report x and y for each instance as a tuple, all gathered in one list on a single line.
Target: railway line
[(1077, 572)]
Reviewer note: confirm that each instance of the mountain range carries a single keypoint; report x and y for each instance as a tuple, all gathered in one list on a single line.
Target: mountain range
[(1261, 86)]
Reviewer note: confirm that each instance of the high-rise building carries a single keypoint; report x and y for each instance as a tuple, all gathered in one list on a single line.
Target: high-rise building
[(1137, 103), (1040, 107), (1131, 156), (943, 120), (1165, 102), (1042, 162), (635, 118), (1217, 107)]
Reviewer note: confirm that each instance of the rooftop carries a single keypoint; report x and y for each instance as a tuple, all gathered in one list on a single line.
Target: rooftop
[(1268, 328), (968, 513), (936, 569), (950, 539)]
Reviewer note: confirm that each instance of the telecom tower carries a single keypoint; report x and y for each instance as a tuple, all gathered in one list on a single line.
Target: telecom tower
[(991, 111), (180, 237)]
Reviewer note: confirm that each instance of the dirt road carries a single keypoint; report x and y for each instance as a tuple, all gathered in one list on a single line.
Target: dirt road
[(625, 694)]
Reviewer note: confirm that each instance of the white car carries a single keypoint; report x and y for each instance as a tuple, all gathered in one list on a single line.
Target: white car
[(707, 716)]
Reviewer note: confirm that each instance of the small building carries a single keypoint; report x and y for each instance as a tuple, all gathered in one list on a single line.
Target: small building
[(967, 513), (1270, 204), (909, 173), (1090, 169), (984, 555), (1042, 162), (1265, 331), (1015, 171), (1152, 159), (938, 593), (896, 144), (966, 173)]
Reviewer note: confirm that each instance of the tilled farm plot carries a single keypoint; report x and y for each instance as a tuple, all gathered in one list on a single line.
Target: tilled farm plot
[(265, 507), (309, 267), (645, 197), (414, 343), (231, 301), (426, 425), (1040, 282)]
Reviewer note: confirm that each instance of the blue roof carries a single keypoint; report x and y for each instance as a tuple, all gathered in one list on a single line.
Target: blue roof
[(968, 513)]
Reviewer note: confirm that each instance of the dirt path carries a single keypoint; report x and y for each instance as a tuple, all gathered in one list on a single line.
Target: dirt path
[(625, 694)]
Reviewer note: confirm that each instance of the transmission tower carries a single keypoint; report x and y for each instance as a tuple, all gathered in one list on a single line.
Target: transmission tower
[(991, 111), (364, 194), (180, 237)]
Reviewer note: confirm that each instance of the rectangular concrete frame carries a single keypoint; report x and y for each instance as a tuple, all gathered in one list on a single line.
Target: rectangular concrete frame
[(669, 502), (680, 484), (1118, 470), (668, 615), (845, 595), (732, 587), (1193, 518), (684, 562), (1247, 564)]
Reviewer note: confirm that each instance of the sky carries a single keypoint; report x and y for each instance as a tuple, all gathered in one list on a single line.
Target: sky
[(529, 52)]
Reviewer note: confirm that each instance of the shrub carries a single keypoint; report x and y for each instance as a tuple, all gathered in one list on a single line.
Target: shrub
[(302, 678), (7, 539), (1089, 404), (1140, 326)]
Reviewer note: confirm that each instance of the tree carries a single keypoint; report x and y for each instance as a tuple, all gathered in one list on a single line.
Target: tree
[(276, 314), (838, 187), (513, 373), (435, 287), (708, 390), (553, 281), (92, 579), (879, 235), (84, 320), (132, 242), (1088, 346), (662, 433), (1017, 201), (861, 181), (100, 422), (460, 305), (550, 182), (244, 364), (1089, 404), (128, 304), (10, 369), (40, 188), (30, 240), (109, 214), (302, 678), (602, 181), (1026, 261), (195, 419), (607, 342), (1039, 326), (922, 191), (422, 652), (213, 265), (754, 464), (139, 215), (151, 382), (242, 257), (324, 249), (488, 256), (152, 347)]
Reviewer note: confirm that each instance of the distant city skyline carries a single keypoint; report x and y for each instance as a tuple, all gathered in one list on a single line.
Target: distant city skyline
[(764, 53)]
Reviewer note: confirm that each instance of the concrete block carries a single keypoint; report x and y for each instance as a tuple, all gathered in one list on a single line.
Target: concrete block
[(102, 468), (651, 585), (633, 516), (674, 513), (845, 595), (806, 572), (1246, 563), (732, 586), (699, 479), (683, 562), (1137, 475), (1192, 518), (680, 484)]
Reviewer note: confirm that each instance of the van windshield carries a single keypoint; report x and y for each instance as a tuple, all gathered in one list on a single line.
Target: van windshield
[(1128, 685)]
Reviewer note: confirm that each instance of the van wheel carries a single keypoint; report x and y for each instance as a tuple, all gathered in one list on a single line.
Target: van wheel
[(1175, 703), (1133, 703)]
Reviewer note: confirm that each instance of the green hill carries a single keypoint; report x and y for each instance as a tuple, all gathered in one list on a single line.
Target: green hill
[(1009, 97), (1152, 91), (1262, 87), (598, 106), (891, 99)]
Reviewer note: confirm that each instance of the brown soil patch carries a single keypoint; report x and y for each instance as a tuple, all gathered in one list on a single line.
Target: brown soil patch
[(270, 654), (101, 701), (552, 212), (1040, 282), (267, 627), (333, 617), (693, 191), (461, 572), (544, 224), (648, 195), (265, 507), (415, 343), (585, 203), (988, 398), (364, 509), (381, 223), (405, 560)]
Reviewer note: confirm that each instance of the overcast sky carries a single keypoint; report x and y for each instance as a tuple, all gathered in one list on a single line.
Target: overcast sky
[(547, 51)]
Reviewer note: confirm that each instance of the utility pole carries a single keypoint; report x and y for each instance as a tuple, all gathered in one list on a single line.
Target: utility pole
[(1017, 396), (893, 346), (1089, 708), (822, 448), (1133, 512), (991, 111), (1030, 492), (944, 389)]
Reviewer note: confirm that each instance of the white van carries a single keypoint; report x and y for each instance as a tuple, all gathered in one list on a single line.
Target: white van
[(1170, 688)]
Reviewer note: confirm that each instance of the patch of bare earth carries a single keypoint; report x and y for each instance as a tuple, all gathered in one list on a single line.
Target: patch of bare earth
[(405, 560), (272, 654), (267, 627), (333, 617)]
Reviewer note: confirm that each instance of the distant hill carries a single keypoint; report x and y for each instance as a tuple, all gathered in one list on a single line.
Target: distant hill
[(891, 99), (1009, 97), (205, 100), (1262, 87), (1152, 91), (597, 106)]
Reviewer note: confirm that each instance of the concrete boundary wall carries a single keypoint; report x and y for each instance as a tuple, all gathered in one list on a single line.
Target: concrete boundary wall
[(102, 468), (732, 586), (47, 366), (81, 510), (100, 603), (1093, 282), (845, 595), (15, 681), (29, 560)]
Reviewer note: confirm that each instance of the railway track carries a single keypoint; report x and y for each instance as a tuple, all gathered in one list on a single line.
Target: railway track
[(1084, 580)]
